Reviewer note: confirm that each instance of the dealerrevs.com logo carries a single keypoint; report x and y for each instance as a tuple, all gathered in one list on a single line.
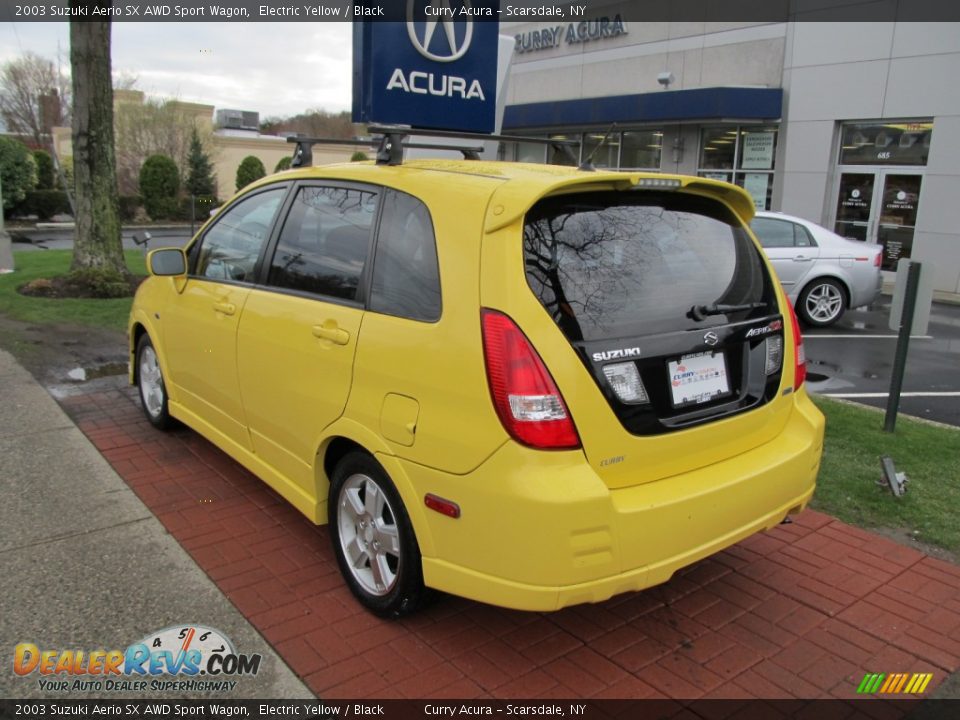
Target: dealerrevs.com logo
[(179, 658)]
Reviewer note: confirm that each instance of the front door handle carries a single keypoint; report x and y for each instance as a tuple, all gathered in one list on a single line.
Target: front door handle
[(225, 308), (334, 334)]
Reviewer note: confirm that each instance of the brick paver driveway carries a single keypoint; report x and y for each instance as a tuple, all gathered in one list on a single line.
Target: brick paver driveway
[(802, 611)]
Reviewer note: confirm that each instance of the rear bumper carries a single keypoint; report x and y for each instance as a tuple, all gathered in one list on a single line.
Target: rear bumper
[(540, 531), (867, 293)]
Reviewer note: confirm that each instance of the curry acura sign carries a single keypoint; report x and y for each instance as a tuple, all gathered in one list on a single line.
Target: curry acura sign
[(437, 70), (572, 33)]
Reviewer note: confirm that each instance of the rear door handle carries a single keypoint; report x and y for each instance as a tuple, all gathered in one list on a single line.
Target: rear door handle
[(225, 308), (334, 334), (801, 258)]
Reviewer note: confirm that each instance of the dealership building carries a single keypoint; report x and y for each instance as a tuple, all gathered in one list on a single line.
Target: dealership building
[(853, 125)]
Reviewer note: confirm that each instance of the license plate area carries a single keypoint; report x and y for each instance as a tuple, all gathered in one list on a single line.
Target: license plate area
[(698, 378)]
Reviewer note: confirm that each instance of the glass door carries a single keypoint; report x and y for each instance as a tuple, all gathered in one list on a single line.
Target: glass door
[(879, 206), (897, 214), (855, 205)]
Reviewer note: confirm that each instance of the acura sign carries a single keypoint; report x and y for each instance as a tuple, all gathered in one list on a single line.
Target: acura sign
[(437, 70)]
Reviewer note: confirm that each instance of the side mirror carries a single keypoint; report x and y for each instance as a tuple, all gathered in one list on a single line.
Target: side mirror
[(167, 261)]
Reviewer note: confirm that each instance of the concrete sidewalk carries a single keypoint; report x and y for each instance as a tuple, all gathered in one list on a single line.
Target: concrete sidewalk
[(85, 565)]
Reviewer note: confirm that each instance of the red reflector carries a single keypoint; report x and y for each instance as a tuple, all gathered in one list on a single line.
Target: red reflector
[(444, 507), (524, 394)]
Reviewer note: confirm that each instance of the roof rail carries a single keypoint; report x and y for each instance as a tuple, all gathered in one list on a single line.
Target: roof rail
[(393, 140)]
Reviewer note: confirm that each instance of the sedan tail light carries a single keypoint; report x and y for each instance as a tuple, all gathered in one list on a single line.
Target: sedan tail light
[(525, 396)]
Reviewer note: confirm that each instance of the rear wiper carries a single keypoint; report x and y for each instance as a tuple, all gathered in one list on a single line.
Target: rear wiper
[(701, 312)]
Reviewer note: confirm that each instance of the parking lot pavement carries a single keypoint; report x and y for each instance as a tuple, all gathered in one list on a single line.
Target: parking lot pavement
[(802, 611), (854, 360)]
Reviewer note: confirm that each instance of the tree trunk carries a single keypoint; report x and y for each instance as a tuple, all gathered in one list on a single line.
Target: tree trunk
[(97, 241)]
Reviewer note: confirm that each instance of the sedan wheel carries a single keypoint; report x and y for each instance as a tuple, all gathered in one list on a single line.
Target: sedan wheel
[(373, 540), (822, 303)]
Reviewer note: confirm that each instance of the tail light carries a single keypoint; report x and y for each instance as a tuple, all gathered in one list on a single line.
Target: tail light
[(799, 356), (525, 396), (877, 259)]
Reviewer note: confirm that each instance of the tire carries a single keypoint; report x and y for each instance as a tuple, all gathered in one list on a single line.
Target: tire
[(373, 539), (153, 391), (822, 303)]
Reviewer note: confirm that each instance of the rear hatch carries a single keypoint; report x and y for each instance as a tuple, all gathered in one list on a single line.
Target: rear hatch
[(673, 315)]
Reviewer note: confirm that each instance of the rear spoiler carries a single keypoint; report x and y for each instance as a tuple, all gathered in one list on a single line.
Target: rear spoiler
[(512, 200)]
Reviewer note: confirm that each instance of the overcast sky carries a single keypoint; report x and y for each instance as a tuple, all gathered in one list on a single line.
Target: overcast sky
[(274, 68)]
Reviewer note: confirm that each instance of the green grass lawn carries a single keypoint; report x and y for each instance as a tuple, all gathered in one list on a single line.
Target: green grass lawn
[(928, 454), (110, 314)]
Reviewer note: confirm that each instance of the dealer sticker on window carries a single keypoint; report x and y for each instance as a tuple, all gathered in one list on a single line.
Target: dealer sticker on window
[(698, 378)]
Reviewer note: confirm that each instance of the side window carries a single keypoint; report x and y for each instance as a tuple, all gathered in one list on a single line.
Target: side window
[(406, 280), (802, 237), (773, 233), (324, 243), (229, 250)]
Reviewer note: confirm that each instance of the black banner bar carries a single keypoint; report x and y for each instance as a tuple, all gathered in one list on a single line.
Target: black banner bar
[(876, 707), (543, 12)]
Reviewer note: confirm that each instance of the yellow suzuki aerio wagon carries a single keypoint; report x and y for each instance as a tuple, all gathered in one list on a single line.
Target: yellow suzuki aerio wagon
[(529, 385)]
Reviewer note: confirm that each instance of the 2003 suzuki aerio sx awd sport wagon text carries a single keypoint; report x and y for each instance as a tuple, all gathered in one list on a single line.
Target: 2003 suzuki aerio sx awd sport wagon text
[(529, 385)]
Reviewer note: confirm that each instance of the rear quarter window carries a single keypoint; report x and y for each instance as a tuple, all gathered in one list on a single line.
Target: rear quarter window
[(406, 278)]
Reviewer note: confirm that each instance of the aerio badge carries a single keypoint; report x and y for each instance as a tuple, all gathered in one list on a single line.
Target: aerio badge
[(440, 12), (710, 338)]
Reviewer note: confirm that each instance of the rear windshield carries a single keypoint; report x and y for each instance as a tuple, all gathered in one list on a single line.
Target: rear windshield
[(620, 264)]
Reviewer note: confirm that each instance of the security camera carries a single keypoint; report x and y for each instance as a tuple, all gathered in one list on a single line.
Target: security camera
[(665, 78)]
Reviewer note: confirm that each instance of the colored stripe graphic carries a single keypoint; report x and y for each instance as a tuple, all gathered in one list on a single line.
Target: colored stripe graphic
[(894, 683), (870, 683), (891, 681)]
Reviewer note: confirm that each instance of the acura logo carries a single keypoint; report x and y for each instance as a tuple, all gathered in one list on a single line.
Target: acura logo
[(710, 338), (445, 46)]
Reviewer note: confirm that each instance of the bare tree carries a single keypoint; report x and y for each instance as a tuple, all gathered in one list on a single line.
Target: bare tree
[(97, 242), (34, 96), (314, 123), (155, 127)]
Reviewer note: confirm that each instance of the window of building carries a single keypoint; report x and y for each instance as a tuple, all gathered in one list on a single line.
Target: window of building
[(601, 149), (641, 149), (901, 142), (744, 155), (627, 150), (556, 156), (529, 152), (325, 241)]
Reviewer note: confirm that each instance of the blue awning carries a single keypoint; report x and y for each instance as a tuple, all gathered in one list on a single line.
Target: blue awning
[(702, 104)]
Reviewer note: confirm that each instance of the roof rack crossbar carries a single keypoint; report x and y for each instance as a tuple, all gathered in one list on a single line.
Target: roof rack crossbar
[(303, 153), (425, 132), (393, 138)]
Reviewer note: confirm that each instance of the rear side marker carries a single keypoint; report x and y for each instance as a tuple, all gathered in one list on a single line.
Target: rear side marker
[(442, 505)]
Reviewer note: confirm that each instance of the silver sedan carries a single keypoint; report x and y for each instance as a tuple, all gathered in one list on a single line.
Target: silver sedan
[(822, 273)]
